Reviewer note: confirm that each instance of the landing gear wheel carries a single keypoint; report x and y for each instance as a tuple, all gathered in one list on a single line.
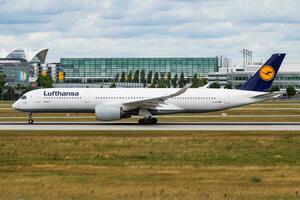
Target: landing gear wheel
[(141, 121), (30, 120), (154, 121), (147, 121)]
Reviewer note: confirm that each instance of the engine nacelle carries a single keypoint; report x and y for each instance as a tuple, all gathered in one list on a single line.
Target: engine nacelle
[(109, 112)]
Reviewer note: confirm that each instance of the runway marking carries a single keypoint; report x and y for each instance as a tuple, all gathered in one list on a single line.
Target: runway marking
[(170, 126)]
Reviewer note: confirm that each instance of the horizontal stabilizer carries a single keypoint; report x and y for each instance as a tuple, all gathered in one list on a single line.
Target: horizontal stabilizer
[(269, 95)]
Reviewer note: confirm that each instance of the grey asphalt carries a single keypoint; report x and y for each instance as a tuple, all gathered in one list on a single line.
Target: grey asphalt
[(170, 126)]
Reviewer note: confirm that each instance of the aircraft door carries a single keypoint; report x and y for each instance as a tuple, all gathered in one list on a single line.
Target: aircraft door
[(226, 99), (87, 98), (37, 98)]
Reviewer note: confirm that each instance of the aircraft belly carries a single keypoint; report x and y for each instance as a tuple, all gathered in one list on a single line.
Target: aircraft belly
[(59, 107)]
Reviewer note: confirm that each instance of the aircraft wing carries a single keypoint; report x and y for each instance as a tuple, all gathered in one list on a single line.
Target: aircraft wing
[(153, 102)]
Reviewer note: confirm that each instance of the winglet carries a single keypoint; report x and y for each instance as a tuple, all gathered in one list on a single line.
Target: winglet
[(181, 91), (206, 85)]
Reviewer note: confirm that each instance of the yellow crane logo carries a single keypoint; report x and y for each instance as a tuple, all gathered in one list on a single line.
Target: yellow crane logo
[(267, 73)]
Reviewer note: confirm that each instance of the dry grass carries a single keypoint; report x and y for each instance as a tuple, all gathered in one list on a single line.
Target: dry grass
[(149, 165), (153, 165)]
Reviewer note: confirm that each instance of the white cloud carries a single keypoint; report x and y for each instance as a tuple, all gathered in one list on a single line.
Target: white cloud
[(117, 28)]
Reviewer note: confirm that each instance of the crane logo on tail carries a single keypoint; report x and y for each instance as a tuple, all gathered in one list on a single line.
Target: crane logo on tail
[(267, 73)]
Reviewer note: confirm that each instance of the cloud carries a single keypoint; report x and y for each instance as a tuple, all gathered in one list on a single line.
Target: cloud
[(137, 28)]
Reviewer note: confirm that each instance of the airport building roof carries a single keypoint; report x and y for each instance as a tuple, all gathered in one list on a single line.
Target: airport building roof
[(28, 55)]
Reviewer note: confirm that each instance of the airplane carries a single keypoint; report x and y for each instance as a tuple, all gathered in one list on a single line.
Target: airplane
[(110, 104)]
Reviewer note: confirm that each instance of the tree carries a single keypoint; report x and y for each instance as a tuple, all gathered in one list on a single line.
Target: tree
[(195, 81), (156, 78), (161, 83), (181, 80), (45, 81), (2, 82), (143, 79), (9, 93), (228, 86), (168, 82), (149, 77), (117, 77), (274, 88), (152, 85), (27, 89), (202, 82), (123, 77), (214, 85), (290, 90), (129, 77), (174, 81), (113, 85), (2, 79), (162, 77), (187, 81), (136, 77)]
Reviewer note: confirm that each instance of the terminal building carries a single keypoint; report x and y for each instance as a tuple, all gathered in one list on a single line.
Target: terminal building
[(237, 78), (93, 70), (16, 65), (23, 66), (54, 70)]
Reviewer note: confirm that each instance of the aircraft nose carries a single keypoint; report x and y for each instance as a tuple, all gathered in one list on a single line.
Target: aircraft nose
[(15, 105)]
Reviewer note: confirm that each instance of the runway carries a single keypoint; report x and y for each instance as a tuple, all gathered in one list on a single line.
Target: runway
[(164, 126)]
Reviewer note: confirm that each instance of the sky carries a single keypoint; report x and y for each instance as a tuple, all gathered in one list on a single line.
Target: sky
[(153, 28)]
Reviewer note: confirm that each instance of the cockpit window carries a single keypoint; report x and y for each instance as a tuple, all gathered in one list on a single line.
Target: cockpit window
[(23, 97)]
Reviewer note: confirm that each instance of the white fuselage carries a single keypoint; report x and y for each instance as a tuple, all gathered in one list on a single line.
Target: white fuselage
[(86, 99)]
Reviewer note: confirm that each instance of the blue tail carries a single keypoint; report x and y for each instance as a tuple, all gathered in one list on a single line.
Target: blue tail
[(262, 80)]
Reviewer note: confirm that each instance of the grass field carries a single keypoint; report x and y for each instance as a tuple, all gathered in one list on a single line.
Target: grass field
[(149, 165), (154, 165)]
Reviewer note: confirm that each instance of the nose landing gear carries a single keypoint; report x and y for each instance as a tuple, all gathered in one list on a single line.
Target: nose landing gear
[(30, 120)]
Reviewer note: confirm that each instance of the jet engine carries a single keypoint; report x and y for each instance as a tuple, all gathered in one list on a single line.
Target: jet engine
[(109, 112)]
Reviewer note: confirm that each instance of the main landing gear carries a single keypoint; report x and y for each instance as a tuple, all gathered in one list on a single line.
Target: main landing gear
[(30, 120), (148, 121)]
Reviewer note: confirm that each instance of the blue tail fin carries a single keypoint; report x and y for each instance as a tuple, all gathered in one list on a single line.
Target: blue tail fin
[(263, 78)]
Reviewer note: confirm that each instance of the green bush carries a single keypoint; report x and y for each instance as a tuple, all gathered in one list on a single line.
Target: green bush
[(214, 85), (291, 91), (255, 179)]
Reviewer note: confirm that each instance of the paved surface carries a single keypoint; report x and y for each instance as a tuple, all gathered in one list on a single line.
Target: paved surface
[(187, 126), (159, 117)]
